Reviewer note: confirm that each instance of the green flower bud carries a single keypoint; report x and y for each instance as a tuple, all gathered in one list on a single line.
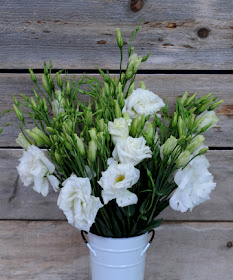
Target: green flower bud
[(133, 127), (68, 90), (45, 83), (80, 145), (68, 126), (33, 77), (58, 157), (133, 65), (51, 130), (190, 100), (142, 85), (119, 38), (16, 101), (216, 104), (191, 122), (184, 97), (18, 113), (93, 133), (89, 118), (51, 83), (180, 126), (35, 137), (122, 77), (181, 140), (23, 141), (101, 125), (45, 105), (203, 151), (68, 146), (45, 139), (33, 102), (106, 89), (126, 116), (25, 97), (59, 81), (195, 144), (92, 150), (46, 71), (117, 109), (149, 134), (174, 120), (183, 159), (101, 140), (193, 110), (169, 145)]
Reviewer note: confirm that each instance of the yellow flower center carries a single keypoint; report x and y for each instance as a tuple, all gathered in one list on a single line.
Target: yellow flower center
[(120, 178)]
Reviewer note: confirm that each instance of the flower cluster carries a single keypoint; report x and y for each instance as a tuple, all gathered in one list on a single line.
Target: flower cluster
[(121, 159)]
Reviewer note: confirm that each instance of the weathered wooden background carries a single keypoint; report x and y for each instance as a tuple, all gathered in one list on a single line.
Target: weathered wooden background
[(191, 45)]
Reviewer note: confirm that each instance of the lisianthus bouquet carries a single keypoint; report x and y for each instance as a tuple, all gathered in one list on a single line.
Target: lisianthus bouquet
[(118, 158)]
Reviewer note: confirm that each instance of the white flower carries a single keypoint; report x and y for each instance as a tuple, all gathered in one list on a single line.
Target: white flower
[(119, 129), (116, 180), (131, 150), (77, 203), (142, 101), (209, 117), (36, 168), (56, 108), (195, 183)]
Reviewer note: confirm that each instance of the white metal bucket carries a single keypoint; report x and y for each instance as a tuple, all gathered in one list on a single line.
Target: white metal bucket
[(118, 258)]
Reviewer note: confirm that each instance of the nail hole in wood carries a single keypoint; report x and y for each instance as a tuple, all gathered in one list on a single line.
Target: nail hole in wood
[(136, 5), (203, 33), (229, 244)]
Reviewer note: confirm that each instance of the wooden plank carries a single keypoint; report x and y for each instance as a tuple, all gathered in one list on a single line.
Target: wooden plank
[(166, 86), (81, 34), (23, 203), (55, 250)]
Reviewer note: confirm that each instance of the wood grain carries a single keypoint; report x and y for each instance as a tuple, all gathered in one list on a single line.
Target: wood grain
[(81, 34), (166, 86), (55, 251), (24, 203)]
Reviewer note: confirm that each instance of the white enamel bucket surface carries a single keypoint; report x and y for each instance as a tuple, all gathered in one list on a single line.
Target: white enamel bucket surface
[(118, 258)]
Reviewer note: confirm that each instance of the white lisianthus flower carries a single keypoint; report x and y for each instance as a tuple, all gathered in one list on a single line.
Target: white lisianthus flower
[(209, 117), (195, 184), (131, 150), (119, 129), (36, 168), (77, 203), (116, 180), (142, 101)]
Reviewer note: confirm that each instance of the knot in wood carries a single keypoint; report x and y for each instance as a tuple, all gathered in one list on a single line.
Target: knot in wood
[(229, 244), (203, 33), (136, 5)]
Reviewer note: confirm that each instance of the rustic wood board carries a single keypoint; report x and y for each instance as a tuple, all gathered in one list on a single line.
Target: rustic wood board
[(55, 251), (166, 86), (81, 34), (24, 203)]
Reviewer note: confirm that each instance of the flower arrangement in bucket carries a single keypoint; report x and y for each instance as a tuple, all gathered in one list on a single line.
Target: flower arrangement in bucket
[(117, 161)]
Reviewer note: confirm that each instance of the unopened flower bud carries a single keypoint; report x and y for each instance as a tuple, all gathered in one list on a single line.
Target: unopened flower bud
[(16, 101), (142, 85), (45, 105), (33, 77), (180, 126), (174, 120), (133, 65), (23, 141), (42, 135), (190, 100), (92, 150), (117, 109), (203, 151), (45, 83), (58, 157), (46, 71), (51, 83), (59, 81), (195, 144), (169, 145), (68, 90), (35, 137), (93, 133), (184, 97), (89, 118), (51, 130), (183, 159), (80, 145), (214, 105), (18, 113), (130, 90), (149, 133), (134, 126), (119, 38)]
